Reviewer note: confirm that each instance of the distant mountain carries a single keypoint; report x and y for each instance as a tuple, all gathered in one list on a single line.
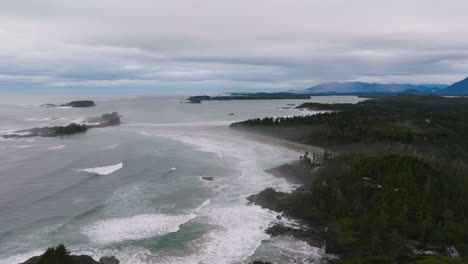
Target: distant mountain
[(361, 87), (458, 88), (435, 86)]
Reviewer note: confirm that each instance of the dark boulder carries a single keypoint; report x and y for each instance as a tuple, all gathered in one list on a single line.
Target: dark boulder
[(109, 260)]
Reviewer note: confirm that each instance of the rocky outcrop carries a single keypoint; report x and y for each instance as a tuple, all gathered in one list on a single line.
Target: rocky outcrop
[(112, 119), (298, 172), (81, 259), (314, 231), (109, 260)]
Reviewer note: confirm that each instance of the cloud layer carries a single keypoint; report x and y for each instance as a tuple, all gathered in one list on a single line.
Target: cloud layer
[(242, 44)]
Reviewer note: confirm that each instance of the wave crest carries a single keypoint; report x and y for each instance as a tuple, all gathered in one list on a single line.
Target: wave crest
[(104, 170)]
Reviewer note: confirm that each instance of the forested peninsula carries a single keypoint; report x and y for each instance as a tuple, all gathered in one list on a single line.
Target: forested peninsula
[(390, 187)]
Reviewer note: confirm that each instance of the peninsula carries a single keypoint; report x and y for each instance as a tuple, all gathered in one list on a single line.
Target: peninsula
[(389, 187)]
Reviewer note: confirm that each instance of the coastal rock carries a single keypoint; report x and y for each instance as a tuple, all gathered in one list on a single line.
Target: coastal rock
[(32, 260), (314, 231), (112, 119), (109, 260), (296, 172), (208, 178), (82, 259)]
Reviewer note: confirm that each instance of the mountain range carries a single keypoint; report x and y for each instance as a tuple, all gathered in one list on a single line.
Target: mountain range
[(458, 88), (362, 87)]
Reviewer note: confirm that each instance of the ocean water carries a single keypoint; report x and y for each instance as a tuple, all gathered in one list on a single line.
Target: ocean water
[(136, 190)]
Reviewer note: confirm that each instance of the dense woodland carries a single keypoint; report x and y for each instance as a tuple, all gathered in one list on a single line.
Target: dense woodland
[(410, 124), (379, 202), (397, 184)]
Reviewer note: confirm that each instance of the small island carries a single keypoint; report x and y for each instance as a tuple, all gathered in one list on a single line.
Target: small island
[(247, 96), (112, 119), (81, 103)]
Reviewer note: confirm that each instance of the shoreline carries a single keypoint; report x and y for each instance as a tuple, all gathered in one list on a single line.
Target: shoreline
[(311, 230)]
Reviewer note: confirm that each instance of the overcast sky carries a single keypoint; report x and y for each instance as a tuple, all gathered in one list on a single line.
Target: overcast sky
[(229, 45)]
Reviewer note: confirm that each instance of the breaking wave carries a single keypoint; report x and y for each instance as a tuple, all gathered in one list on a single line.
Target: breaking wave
[(105, 170)]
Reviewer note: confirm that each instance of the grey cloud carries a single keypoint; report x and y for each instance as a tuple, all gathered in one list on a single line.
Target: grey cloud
[(276, 43)]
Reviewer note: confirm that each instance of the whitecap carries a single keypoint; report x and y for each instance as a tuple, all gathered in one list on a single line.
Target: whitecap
[(57, 147), (42, 119), (109, 147), (134, 228), (104, 170), (205, 203), (24, 146)]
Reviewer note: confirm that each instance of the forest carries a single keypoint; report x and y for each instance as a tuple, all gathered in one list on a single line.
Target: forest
[(404, 124), (394, 188)]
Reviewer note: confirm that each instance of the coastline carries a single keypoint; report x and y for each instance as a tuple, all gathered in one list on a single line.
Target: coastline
[(311, 229)]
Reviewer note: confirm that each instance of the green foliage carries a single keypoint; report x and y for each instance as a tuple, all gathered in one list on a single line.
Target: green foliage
[(70, 129), (397, 124), (395, 191), (378, 203), (56, 255)]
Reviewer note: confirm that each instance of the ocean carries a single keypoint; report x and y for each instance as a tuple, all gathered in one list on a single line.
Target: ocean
[(136, 190)]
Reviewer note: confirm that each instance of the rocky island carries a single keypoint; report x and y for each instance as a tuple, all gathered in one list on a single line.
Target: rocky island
[(81, 103), (112, 119)]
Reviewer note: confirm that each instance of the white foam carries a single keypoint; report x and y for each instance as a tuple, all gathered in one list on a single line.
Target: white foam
[(134, 228), (43, 119), (238, 231), (138, 227), (57, 147), (205, 203), (290, 250), (25, 146), (104, 170), (109, 147)]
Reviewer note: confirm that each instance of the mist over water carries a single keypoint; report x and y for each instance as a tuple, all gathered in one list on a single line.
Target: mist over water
[(112, 191)]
